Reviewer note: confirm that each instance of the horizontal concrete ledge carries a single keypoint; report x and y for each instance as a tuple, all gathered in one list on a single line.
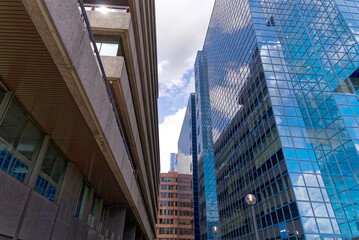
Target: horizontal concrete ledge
[(114, 67), (111, 23)]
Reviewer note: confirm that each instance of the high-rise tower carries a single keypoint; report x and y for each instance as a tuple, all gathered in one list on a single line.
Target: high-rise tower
[(187, 152), (173, 163), (283, 82), (206, 169)]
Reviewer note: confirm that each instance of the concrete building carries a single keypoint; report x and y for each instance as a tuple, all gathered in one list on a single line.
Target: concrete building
[(283, 90), (79, 149), (175, 207)]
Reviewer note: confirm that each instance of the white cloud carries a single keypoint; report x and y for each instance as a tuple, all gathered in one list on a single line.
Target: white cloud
[(190, 87), (181, 28), (162, 65), (169, 132)]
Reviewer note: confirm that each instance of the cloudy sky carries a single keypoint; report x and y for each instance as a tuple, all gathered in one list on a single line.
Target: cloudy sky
[(181, 29)]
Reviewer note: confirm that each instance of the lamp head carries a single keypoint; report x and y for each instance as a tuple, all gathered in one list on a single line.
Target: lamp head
[(251, 199)]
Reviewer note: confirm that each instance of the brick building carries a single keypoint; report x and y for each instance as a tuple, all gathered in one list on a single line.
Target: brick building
[(175, 207)]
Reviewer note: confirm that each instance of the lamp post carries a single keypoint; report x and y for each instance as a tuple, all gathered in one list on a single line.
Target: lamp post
[(252, 200), (215, 231)]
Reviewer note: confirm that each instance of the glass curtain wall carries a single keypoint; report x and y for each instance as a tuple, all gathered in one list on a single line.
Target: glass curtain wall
[(283, 79), (314, 50), (247, 149), (206, 170)]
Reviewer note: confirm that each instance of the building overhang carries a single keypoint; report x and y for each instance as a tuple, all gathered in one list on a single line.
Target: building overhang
[(27, 68), (54, 75)]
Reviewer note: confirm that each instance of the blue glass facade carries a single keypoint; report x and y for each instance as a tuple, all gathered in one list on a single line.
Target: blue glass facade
[(184, 157), (206, 170), (283, 84), (173, 165), (187, 149)]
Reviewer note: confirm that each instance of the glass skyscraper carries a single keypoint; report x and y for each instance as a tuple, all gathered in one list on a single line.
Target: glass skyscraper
[(173, 163), (283, 83), (206, 171), (187, 151)]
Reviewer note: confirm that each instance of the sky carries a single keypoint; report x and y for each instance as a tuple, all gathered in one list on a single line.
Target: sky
[(181, 30)]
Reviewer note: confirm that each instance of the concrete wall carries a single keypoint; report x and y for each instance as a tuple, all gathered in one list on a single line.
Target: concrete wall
[(13, 196), (67, 202), (116, 223), (26, 215), (38, 218)]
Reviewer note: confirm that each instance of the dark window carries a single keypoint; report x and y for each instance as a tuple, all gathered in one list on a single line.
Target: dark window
[(51, 173), (82, 201), (20, 141)]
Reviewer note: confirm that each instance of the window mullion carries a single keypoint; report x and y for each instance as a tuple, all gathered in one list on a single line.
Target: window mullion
[(89, 204), (105, 222), (35, 166), (98, 214), (59, 184), (5, 103)]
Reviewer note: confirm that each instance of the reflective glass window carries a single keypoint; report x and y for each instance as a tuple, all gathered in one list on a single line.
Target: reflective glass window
[(52, 170), (101, 224), (31, 140), (82, 201), (305, 209), (20, 141), (324, 225), (309, 225), (109, 45), (95, 205), (13, 124), (2, 93)]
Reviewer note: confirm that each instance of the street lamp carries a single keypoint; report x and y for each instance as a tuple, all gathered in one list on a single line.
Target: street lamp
[(215, 231), (252, 200)]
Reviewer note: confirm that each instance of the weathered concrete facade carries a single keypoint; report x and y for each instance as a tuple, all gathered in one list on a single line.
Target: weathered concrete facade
[(108, 187)]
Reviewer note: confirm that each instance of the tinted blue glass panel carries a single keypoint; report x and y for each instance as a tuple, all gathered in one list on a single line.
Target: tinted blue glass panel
[(41, 185), (18, 169), (5, 158)]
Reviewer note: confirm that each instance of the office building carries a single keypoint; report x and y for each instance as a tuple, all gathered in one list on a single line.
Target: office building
[(283, 82), (184, 146), (79, 152), (187, 152), (206, 170), (173, 163), (175, 207)]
